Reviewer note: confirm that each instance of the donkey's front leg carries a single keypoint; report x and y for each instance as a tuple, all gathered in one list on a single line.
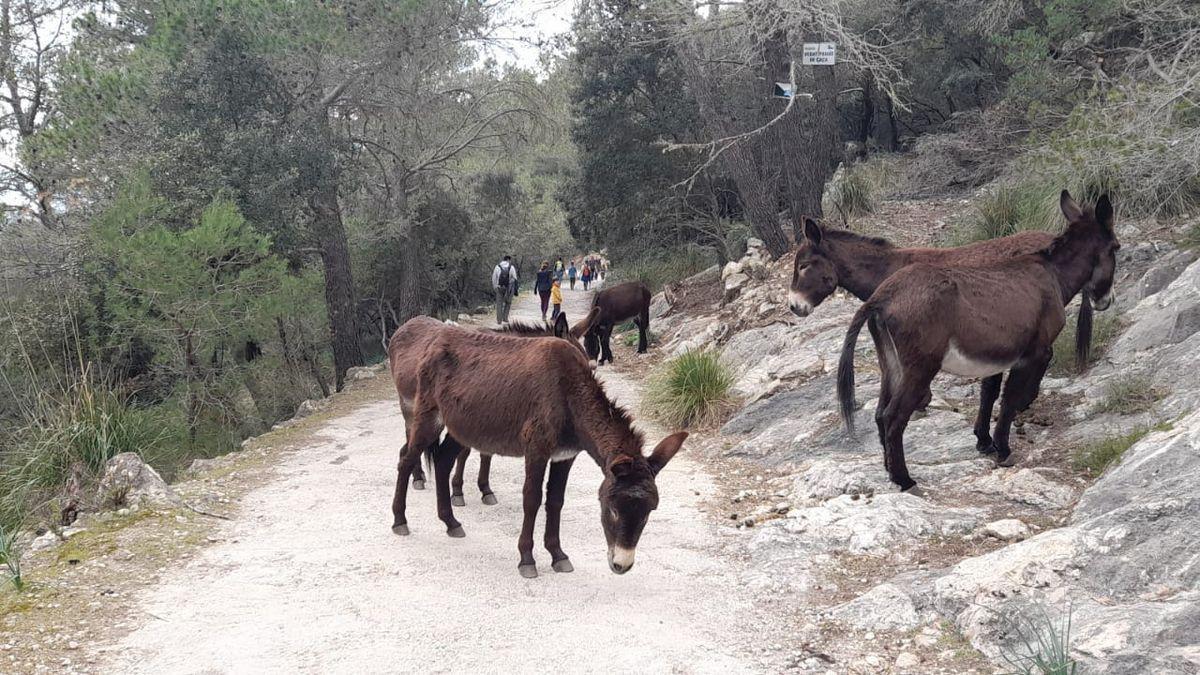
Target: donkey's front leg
[(1019, 392), (404, 469), (556, 490), (989, 390), (535, 475)]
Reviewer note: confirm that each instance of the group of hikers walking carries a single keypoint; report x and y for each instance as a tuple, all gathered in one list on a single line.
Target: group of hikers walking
[(547, 283)]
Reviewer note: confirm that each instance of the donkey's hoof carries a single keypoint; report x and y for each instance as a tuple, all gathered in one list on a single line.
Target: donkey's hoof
[(528, 571), (418, 484), (457, 500), (985, 448), (563, 565), (490, 499), (456, 532), (401, 529), (1005, 461), (915, 491)]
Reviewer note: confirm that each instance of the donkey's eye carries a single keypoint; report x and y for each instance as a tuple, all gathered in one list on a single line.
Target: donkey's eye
[(803, 266)]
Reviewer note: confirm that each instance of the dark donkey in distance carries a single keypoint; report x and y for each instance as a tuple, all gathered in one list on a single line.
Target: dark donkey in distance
[(560, 329), (977, 322), (549, 409), (630, 300), (828, 259)]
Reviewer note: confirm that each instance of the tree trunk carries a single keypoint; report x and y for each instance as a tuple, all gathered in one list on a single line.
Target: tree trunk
[(866, 126), (823, 143), (893, 140), (339, 282)]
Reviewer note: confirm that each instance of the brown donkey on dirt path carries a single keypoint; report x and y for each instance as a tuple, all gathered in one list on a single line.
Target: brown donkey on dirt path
[(977, 322), (549, 408), (559, 329), (630, 300), (828, 259)]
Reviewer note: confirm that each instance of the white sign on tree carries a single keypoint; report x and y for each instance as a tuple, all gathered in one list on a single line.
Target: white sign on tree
[(819, 54)]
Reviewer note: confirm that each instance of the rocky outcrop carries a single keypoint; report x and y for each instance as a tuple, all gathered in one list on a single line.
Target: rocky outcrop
[(128, 481)]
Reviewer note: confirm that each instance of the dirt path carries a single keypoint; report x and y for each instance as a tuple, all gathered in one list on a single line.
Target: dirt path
[(309, 578)]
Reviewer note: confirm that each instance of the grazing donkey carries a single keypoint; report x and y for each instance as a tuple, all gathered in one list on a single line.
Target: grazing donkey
[(630, 300), (828, 259), (535, 399), (977, 322), (559, 329)]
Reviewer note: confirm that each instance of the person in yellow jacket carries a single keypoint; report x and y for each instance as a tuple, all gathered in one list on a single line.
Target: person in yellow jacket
[(556, 299)]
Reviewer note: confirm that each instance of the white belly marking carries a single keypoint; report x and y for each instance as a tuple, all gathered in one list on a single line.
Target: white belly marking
[(563, 455), (957, 363)]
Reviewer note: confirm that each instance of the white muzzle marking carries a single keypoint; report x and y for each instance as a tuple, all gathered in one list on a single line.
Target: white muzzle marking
[(620, 559), (799, 304)]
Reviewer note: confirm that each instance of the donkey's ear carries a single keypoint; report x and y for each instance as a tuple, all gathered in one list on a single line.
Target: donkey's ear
[(665, 450), (1104, 212), (812, 231), (561, 327), (584, 326), (1069, 208)]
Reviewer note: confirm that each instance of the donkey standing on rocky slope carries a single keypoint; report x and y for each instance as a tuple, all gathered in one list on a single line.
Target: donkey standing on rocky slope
[(977, 322), (828, 259), (560, 329), (549, 408), (630, 300)]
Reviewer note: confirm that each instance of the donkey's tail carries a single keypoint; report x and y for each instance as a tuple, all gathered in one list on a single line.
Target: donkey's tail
[(1083, 333), (845, 377)]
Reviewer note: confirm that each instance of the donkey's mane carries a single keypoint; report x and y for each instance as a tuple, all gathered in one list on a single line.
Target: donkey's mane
[(847, 235), (525, 328), (615, 412)]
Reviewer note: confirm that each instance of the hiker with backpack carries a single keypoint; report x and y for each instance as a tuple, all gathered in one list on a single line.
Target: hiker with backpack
[(585, 275), (571, 274), (542, 286), (504, 284)]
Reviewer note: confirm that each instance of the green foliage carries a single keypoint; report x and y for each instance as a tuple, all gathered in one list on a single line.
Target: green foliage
[(1129, 395), (853, 195), (10, 556), (1106, 328), (659, 268), (1096, 456), (690, 390), (1044, 644), (1011, 209)]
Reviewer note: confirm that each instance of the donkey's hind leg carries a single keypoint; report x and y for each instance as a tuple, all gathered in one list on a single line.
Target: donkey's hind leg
[(643, 324), (456, 483), (535, 476), (443, 461), (485, 472), (886, 385), (1019, 393), (989, 390), (404, 469), (556, 490), (905, 399)]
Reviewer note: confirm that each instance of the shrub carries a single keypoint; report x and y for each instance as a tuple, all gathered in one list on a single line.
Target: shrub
[(631, 339), (1105, 329), (1126, 396), (852, 195), (692, 389), (659, 268), (10, 556), (1011, 209), (1044, 645), (1096, 456)]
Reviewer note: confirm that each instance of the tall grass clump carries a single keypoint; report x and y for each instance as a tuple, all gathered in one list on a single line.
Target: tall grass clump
[(1011, 209), (1128, 396), (1043, 644), (691, 390), (659, 268), (1097, 456), (853, 195), (10, 556), (75, 429), (1105, 330)]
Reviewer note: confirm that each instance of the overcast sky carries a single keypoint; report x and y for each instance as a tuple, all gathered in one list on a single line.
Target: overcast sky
[(548, 17)]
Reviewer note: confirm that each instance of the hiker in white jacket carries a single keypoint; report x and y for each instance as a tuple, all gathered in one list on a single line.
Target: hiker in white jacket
[(504, 283)]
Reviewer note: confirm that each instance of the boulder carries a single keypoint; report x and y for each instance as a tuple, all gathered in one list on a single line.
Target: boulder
[(1165, 318), (1024, 486), (1007, 529), (734, 283), (127, 481), (1162, 273), (884, 607), (359, 373), (311, 407)]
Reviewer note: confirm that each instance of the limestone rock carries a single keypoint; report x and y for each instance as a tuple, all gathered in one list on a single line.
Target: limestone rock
[(127, 480), (885, 607), (1025, 486), (1007, 529), (311, 407)]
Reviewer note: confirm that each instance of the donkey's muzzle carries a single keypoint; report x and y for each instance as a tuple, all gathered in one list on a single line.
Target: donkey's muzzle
[(800, 306), (620, 559)]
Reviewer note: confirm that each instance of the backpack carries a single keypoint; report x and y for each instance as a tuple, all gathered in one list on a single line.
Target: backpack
[(504, 277)]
